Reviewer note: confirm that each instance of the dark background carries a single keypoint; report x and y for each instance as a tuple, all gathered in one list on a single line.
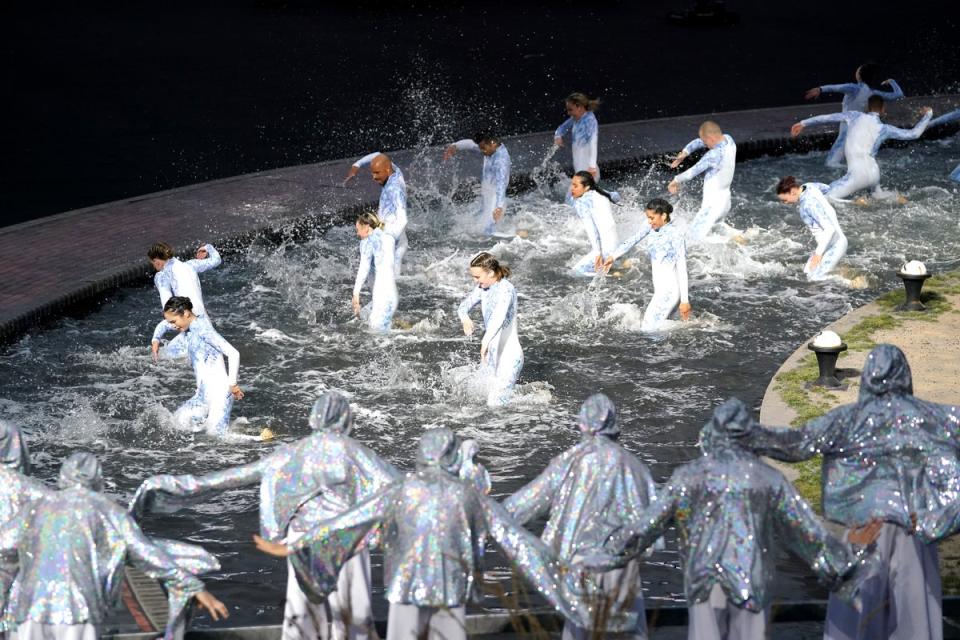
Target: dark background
[(103, 102)]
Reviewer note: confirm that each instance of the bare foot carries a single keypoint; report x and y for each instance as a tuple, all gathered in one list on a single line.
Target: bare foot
[(901, 199), (266, 434), (626, 264), (861, 202), (522, 233), (739, 239)]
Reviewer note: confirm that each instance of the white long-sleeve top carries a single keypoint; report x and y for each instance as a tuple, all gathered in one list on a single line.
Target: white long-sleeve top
[(392, 209), (866, 133), (498, 304), (377, 252), (717, 165), (584, 135), (951, 116), (206, 349), (856, 94), (667, 249), (180, 278), (596, 215), (819, 215), (495, 177)]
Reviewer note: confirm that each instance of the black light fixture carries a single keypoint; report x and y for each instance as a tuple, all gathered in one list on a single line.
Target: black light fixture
[(913, 274), (828, 346)]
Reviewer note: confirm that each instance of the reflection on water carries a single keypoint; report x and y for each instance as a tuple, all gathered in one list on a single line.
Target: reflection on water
[(90, 383)]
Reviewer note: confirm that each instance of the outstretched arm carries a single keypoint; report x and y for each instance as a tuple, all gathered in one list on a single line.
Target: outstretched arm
[(895, 92), (211, 261), (794, 444), (534, 499), (192, 487), (952, 116), (890, 132), (631, 242), (709, 160), (846, 88)]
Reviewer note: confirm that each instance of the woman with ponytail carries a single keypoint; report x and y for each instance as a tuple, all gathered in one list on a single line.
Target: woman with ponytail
[(592, 205), (584, 132), (209, 408), (500, 351), (376, 252)]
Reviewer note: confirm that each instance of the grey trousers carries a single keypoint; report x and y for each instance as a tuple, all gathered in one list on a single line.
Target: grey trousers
[(410, 622), (901, 602), (716, 618), (31, 630), (623, 588), (346, 614)]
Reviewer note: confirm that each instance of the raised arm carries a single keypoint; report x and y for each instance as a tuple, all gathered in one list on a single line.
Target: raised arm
[(890, 132), (693, 146), (946, 118), (895, 92), (632, 241), (466, 145), (846, 88), (365, 160), (212, 260)]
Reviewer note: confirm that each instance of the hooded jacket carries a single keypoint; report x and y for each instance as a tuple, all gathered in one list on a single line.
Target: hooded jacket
[(726, 506), (72, 546), (432, 523), (301, 484), (886, 456)]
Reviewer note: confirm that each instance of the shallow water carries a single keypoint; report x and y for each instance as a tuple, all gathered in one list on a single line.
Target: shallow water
[(89, 383)]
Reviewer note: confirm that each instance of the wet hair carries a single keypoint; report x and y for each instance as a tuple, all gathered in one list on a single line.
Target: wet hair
[(485, 135), (370, 219), (160, 251), (710, 128), (586, 179), (870, 75), (660, 206), (489, 262), (178, 304), (874, 103), (786, 184), (581, 100)]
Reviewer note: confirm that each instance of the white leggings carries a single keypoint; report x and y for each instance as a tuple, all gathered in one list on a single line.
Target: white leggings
[(410, 622), (860, 176), (346, 614), (712, 210), (31, 630), (716, 618)]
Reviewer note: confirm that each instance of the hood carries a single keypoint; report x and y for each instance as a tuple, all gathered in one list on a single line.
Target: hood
[(598, 417), (81, 469), (885, 371), (331, 412), (730, 422), (438, 448), (13, 448)]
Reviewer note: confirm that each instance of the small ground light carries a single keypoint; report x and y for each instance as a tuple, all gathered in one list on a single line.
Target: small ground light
[(913, 275), (828, 346)]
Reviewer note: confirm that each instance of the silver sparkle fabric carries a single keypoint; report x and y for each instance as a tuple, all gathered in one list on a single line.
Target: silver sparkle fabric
[(72, 545), (13, 448), (301, 484), (726, 506), (432, 523), (886, 456), (588, 492)]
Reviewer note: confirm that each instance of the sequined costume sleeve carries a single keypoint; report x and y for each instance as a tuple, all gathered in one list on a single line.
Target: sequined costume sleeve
[(159, 493), (363, 269), (473, 299), (830, 118), (693, 146), (633, 538), (946, 118), (212, 261), (214, 339), (564, 128), (890, 132), (794, 444), (534, 499), (367, 159), (710, 160), (352, 525), (628, 244)]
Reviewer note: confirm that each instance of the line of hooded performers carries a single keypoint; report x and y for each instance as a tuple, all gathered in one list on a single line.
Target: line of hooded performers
[(891, 479)]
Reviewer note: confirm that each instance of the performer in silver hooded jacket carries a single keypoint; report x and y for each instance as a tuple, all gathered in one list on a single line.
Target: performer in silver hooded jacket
[(726, 506), (432, 522), (302, 484), (72, 547), (596, 480), (895, 457)]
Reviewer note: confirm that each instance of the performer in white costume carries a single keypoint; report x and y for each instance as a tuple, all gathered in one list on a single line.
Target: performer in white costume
[(668, 265), (855, 96), (821, 219), (376, 251), (393, 199), (209, 408), (718, 164), (592, 205), (500, 347), (584, 133), (495, 177), (176, 278), (865, 134)]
